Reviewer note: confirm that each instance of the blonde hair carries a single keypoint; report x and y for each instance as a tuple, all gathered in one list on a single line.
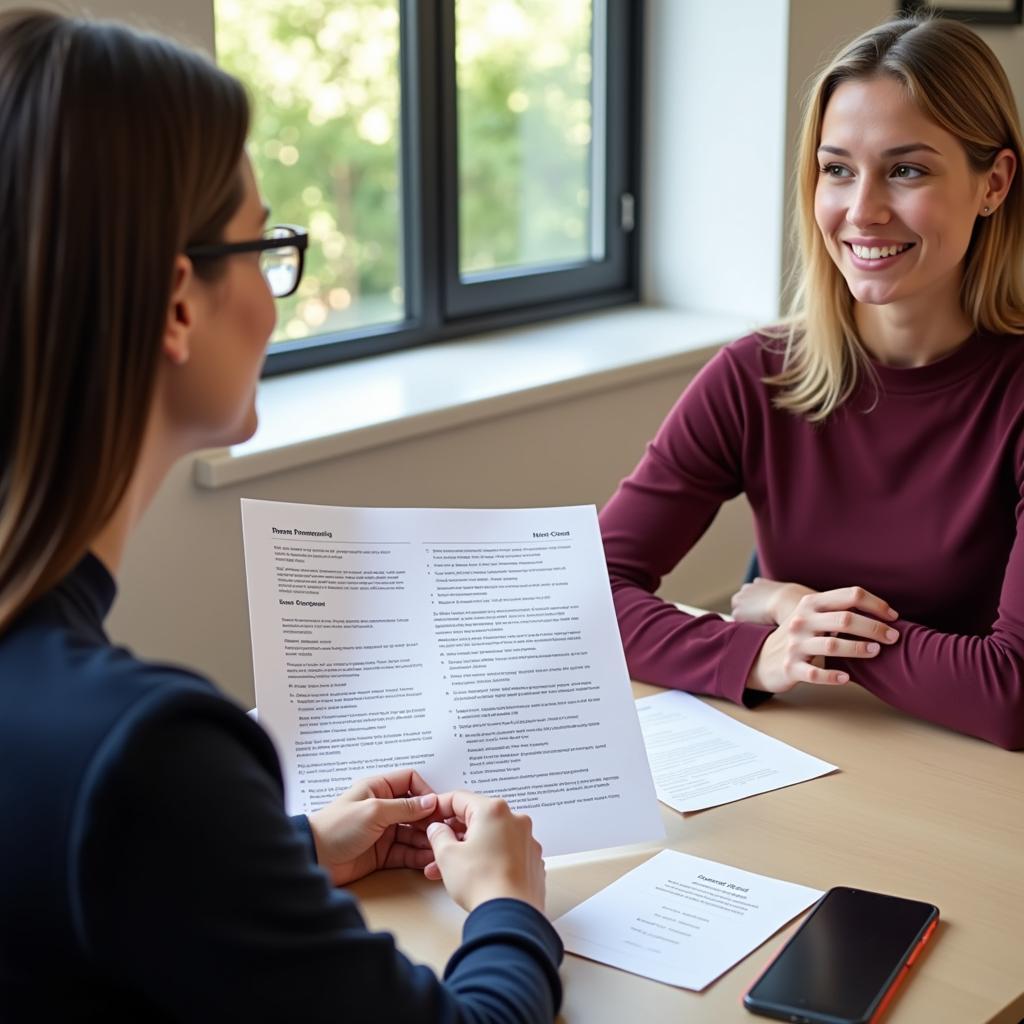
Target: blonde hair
[(959, 83)]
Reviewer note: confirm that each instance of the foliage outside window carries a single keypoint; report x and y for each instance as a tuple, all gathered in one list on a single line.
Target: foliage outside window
[(325, 143), (433, 148)]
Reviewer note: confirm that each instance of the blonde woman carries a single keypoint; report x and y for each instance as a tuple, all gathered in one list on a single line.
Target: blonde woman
[(879, 435), (148, 871)]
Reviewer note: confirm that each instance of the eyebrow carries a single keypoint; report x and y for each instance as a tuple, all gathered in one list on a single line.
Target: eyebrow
[(910, 147)]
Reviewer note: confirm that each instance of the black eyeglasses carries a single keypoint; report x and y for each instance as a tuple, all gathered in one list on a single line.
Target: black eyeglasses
[(282, 256)]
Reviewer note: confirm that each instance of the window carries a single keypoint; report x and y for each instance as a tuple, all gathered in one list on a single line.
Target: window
[(459, 164)]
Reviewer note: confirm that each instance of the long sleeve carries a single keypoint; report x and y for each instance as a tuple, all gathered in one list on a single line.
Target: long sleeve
[(973, 684), (191, 884), (913, 489), (658, 513)]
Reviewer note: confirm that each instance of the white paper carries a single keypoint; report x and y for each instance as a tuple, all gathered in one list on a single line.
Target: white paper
[(478, 646), (682, 920), (701, 757)]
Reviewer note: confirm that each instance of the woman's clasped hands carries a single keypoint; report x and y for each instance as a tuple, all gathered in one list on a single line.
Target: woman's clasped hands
[(849, 622), (475, 844)]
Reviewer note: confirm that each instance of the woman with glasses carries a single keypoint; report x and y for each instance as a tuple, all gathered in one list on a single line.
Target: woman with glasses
[(879, 434), (282, 254), (147, 868)]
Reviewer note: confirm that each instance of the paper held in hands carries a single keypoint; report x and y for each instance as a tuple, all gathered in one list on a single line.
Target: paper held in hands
[(682, 920), (701, 757), (478, 646)]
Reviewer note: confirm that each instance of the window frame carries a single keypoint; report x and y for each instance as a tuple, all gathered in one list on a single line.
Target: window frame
[(440, 306)]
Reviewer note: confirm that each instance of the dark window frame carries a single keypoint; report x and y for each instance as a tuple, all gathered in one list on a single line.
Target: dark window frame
[(439, 305)]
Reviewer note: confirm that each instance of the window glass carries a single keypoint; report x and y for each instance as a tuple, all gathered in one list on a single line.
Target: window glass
[(526, 140), (325, 142)]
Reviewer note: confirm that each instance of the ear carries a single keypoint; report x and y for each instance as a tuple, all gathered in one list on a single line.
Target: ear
[(998, 180), (176, 342)]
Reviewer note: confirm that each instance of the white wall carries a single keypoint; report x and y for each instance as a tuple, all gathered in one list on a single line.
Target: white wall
[(715, 157), (723, 79)]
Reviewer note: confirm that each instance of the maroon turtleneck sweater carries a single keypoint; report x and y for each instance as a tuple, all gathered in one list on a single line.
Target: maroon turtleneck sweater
[(913, 490)]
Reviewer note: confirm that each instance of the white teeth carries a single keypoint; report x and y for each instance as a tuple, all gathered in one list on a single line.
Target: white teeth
[(875, 252)]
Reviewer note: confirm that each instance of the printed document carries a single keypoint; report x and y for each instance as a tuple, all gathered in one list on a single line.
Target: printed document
[(700, 757), (681, 919), (477, 646)]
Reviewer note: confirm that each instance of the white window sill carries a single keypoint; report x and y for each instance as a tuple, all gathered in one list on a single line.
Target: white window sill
[(332, 411)]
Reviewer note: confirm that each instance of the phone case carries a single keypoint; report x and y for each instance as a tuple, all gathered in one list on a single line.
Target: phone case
[(796, 1015)]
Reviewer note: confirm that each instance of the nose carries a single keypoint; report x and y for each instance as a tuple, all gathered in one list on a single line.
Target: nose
[(868, 205)]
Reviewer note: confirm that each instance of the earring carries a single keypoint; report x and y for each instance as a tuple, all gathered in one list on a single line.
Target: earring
[(986, 210)]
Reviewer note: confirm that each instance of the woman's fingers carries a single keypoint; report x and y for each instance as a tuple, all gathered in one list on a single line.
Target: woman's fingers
[(400, 856), (846, 598), (821, 676), (837, 647), (849, 622), (852, 624), (412, 835)]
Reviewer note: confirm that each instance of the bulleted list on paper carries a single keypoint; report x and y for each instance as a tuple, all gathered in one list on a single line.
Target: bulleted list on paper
[(479, 646)]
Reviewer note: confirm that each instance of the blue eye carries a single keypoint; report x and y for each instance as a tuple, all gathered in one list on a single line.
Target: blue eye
[(835, 171)]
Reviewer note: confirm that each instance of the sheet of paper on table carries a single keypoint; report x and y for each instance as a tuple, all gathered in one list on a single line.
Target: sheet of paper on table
[(478, 646), (681, 920), (700, 757)]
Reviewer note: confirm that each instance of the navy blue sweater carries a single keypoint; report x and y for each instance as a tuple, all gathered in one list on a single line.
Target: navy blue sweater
[(148, 870)]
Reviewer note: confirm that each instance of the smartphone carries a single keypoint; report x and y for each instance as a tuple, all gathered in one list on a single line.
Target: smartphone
[(843, 964)]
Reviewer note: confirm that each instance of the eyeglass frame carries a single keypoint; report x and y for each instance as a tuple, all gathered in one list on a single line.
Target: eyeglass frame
[(299, 240)]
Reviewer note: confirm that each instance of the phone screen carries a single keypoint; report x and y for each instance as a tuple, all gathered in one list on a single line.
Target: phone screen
[(843, 958)]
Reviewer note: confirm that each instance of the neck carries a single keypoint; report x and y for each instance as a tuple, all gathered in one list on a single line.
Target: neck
[(914, 332)]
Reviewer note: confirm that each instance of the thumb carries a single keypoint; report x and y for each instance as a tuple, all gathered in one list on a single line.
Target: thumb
[(404, 809), (440, 837)]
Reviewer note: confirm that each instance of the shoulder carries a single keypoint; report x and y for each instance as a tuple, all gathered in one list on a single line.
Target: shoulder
[(71, 710), (81, 721), (732, 382), (1003, 389), (744, 363), (179, 747), (80, 692), (1008, 351), (140, 711), (996, 378), (759, 353), (138, 699)]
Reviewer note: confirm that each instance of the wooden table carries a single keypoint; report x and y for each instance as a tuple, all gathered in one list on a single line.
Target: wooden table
[(916, 811)]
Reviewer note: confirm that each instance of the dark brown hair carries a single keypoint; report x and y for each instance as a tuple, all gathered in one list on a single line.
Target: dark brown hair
[(119, 149)]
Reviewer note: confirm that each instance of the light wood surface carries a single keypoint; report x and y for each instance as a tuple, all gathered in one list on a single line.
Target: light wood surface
[(915, 811)]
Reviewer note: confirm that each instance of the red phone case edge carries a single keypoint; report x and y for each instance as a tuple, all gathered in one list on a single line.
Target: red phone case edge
[(890, 992), (904, 970)]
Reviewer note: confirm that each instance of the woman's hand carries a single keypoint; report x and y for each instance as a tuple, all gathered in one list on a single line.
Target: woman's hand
[(484, 852), (379, 823), (766, 602), (822, 625)]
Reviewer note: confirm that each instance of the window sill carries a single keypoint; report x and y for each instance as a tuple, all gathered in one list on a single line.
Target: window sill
[(332, 411)]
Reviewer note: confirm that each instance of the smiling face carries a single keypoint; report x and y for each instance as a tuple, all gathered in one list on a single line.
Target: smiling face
[(896, 200)]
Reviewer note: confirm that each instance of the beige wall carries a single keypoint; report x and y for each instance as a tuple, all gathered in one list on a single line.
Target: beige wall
[(182, 587), (188, 20)]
